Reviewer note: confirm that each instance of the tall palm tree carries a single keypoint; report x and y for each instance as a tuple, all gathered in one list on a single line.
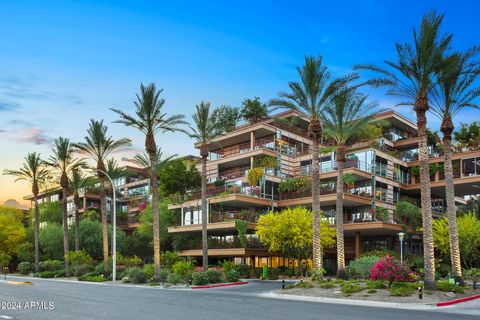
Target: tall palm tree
[(150, 119), (78, 181), (63, 162), (142, 160), (456, 75), (203, 131), (98, 145), (35, 173), (309, 97), (343, 119), (412, 78)]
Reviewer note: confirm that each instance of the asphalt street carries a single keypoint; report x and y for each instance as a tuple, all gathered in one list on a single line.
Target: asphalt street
[(47, 299)]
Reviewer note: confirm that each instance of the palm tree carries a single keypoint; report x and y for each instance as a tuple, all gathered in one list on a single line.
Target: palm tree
[(98, 145), (343, 119), (78, 181), (309, 97), (35, 173), (455, 76), (63, 162), (203, 132), (150, 119), (142, 160), (412, 78)]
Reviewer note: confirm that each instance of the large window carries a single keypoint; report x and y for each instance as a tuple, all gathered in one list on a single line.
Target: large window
[(192, 216), (471, 167)]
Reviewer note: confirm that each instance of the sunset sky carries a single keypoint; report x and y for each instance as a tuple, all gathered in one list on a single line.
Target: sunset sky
[(65, 62)]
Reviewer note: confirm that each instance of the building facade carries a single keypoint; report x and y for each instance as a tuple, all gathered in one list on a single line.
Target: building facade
[(382, 172)]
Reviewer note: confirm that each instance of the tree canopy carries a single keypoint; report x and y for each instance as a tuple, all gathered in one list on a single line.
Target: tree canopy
[(12, 231), (468, 234), (468, 137), (290, 232), (225, 118), (178, 176)]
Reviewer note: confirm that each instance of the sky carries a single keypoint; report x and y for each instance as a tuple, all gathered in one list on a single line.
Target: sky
[(63, 63)]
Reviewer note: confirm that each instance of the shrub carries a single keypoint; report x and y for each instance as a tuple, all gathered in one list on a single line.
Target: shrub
[(45, 274), (232, 276), (51, 265), (377, 284), (174, 278), (228, 266), (351, 287), (82, 269), (25, 252), (361, 267), (473, 274), (169, 258), (273, 274), (163, 276), (78, 258), (149, 270), (136, 275), (446, 286), (25, 267), (183, 268), (318, 274), (200, 278), (327, 285), (371, 291), (304, 285), (60, 273), (214, 276), (242, 270), (92, 278), (402, 289), (390, 270), (130, 262)]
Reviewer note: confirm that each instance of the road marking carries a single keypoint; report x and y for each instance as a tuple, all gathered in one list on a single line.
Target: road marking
[(6, 317)]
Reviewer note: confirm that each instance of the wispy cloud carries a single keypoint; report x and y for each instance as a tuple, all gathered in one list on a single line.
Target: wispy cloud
[(26, 135), (9, 106), (26, 87)]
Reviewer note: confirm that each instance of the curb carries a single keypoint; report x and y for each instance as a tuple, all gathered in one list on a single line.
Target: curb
[(20, 283), (220, 285), (460, 300)]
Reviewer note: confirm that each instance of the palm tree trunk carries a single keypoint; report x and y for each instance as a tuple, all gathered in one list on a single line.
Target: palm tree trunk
[(103, 209), (451, 211), (65, 231), (37, 233), (204, 213), (426, 198), (156, 218), (339, 222), (317, 246), (77, 224)]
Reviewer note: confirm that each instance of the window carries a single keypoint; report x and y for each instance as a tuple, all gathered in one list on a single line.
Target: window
[(192, 216), (471, 167)]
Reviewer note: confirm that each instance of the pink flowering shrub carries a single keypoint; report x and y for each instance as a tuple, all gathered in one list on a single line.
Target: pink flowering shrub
[(390, 270)]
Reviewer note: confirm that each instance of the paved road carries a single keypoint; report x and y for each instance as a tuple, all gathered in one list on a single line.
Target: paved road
[(78, 301)]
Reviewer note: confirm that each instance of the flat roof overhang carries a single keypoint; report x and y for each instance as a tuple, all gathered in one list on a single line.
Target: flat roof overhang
[(463, 187), (327, 200), (375, 228), (219, 227), (239, 200)]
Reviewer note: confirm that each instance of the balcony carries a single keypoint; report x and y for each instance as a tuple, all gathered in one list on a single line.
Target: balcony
[(331, 166), (228, 242), (249, 216)]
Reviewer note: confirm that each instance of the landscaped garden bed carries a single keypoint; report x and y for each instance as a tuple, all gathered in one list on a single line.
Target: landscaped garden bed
[(400, 292)]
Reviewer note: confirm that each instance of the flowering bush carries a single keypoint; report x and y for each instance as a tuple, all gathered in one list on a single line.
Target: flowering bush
[(390, 270)]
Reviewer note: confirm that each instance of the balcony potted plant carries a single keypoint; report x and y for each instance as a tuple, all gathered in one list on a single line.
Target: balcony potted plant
[(349, 181)]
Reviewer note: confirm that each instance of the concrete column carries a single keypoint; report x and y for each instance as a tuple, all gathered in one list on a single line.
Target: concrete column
[(358, 249), (252, 140)]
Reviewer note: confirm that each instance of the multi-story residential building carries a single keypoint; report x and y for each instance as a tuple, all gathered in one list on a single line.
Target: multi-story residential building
[(133, 190), (384, 170)]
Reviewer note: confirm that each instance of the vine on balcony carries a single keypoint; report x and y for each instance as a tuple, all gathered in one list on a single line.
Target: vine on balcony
[(242, 232)]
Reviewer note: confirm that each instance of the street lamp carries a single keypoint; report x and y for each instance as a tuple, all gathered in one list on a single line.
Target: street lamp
[(114, 226), (401, 236)]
